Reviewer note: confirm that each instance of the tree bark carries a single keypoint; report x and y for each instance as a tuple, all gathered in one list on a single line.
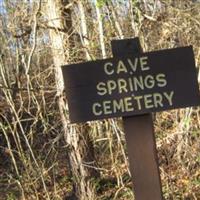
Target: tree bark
[(101, 34), (133, 15), (84, 32), (110, 7), (80, 151)]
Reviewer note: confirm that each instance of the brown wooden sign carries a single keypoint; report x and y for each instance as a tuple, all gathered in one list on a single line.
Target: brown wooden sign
[(131, 85)]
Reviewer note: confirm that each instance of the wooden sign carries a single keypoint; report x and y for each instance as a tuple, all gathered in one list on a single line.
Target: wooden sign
[(131, 84)]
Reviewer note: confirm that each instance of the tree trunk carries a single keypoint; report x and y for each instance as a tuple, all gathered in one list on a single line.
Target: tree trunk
[(133, 15), (80, 153), (84, 32), (111, 8), (101, 34)]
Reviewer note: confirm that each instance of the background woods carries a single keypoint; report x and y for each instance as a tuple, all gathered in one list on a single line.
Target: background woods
[(42, 155)]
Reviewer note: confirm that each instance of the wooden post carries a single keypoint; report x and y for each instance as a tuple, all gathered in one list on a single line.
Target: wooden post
[(139, 133)]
